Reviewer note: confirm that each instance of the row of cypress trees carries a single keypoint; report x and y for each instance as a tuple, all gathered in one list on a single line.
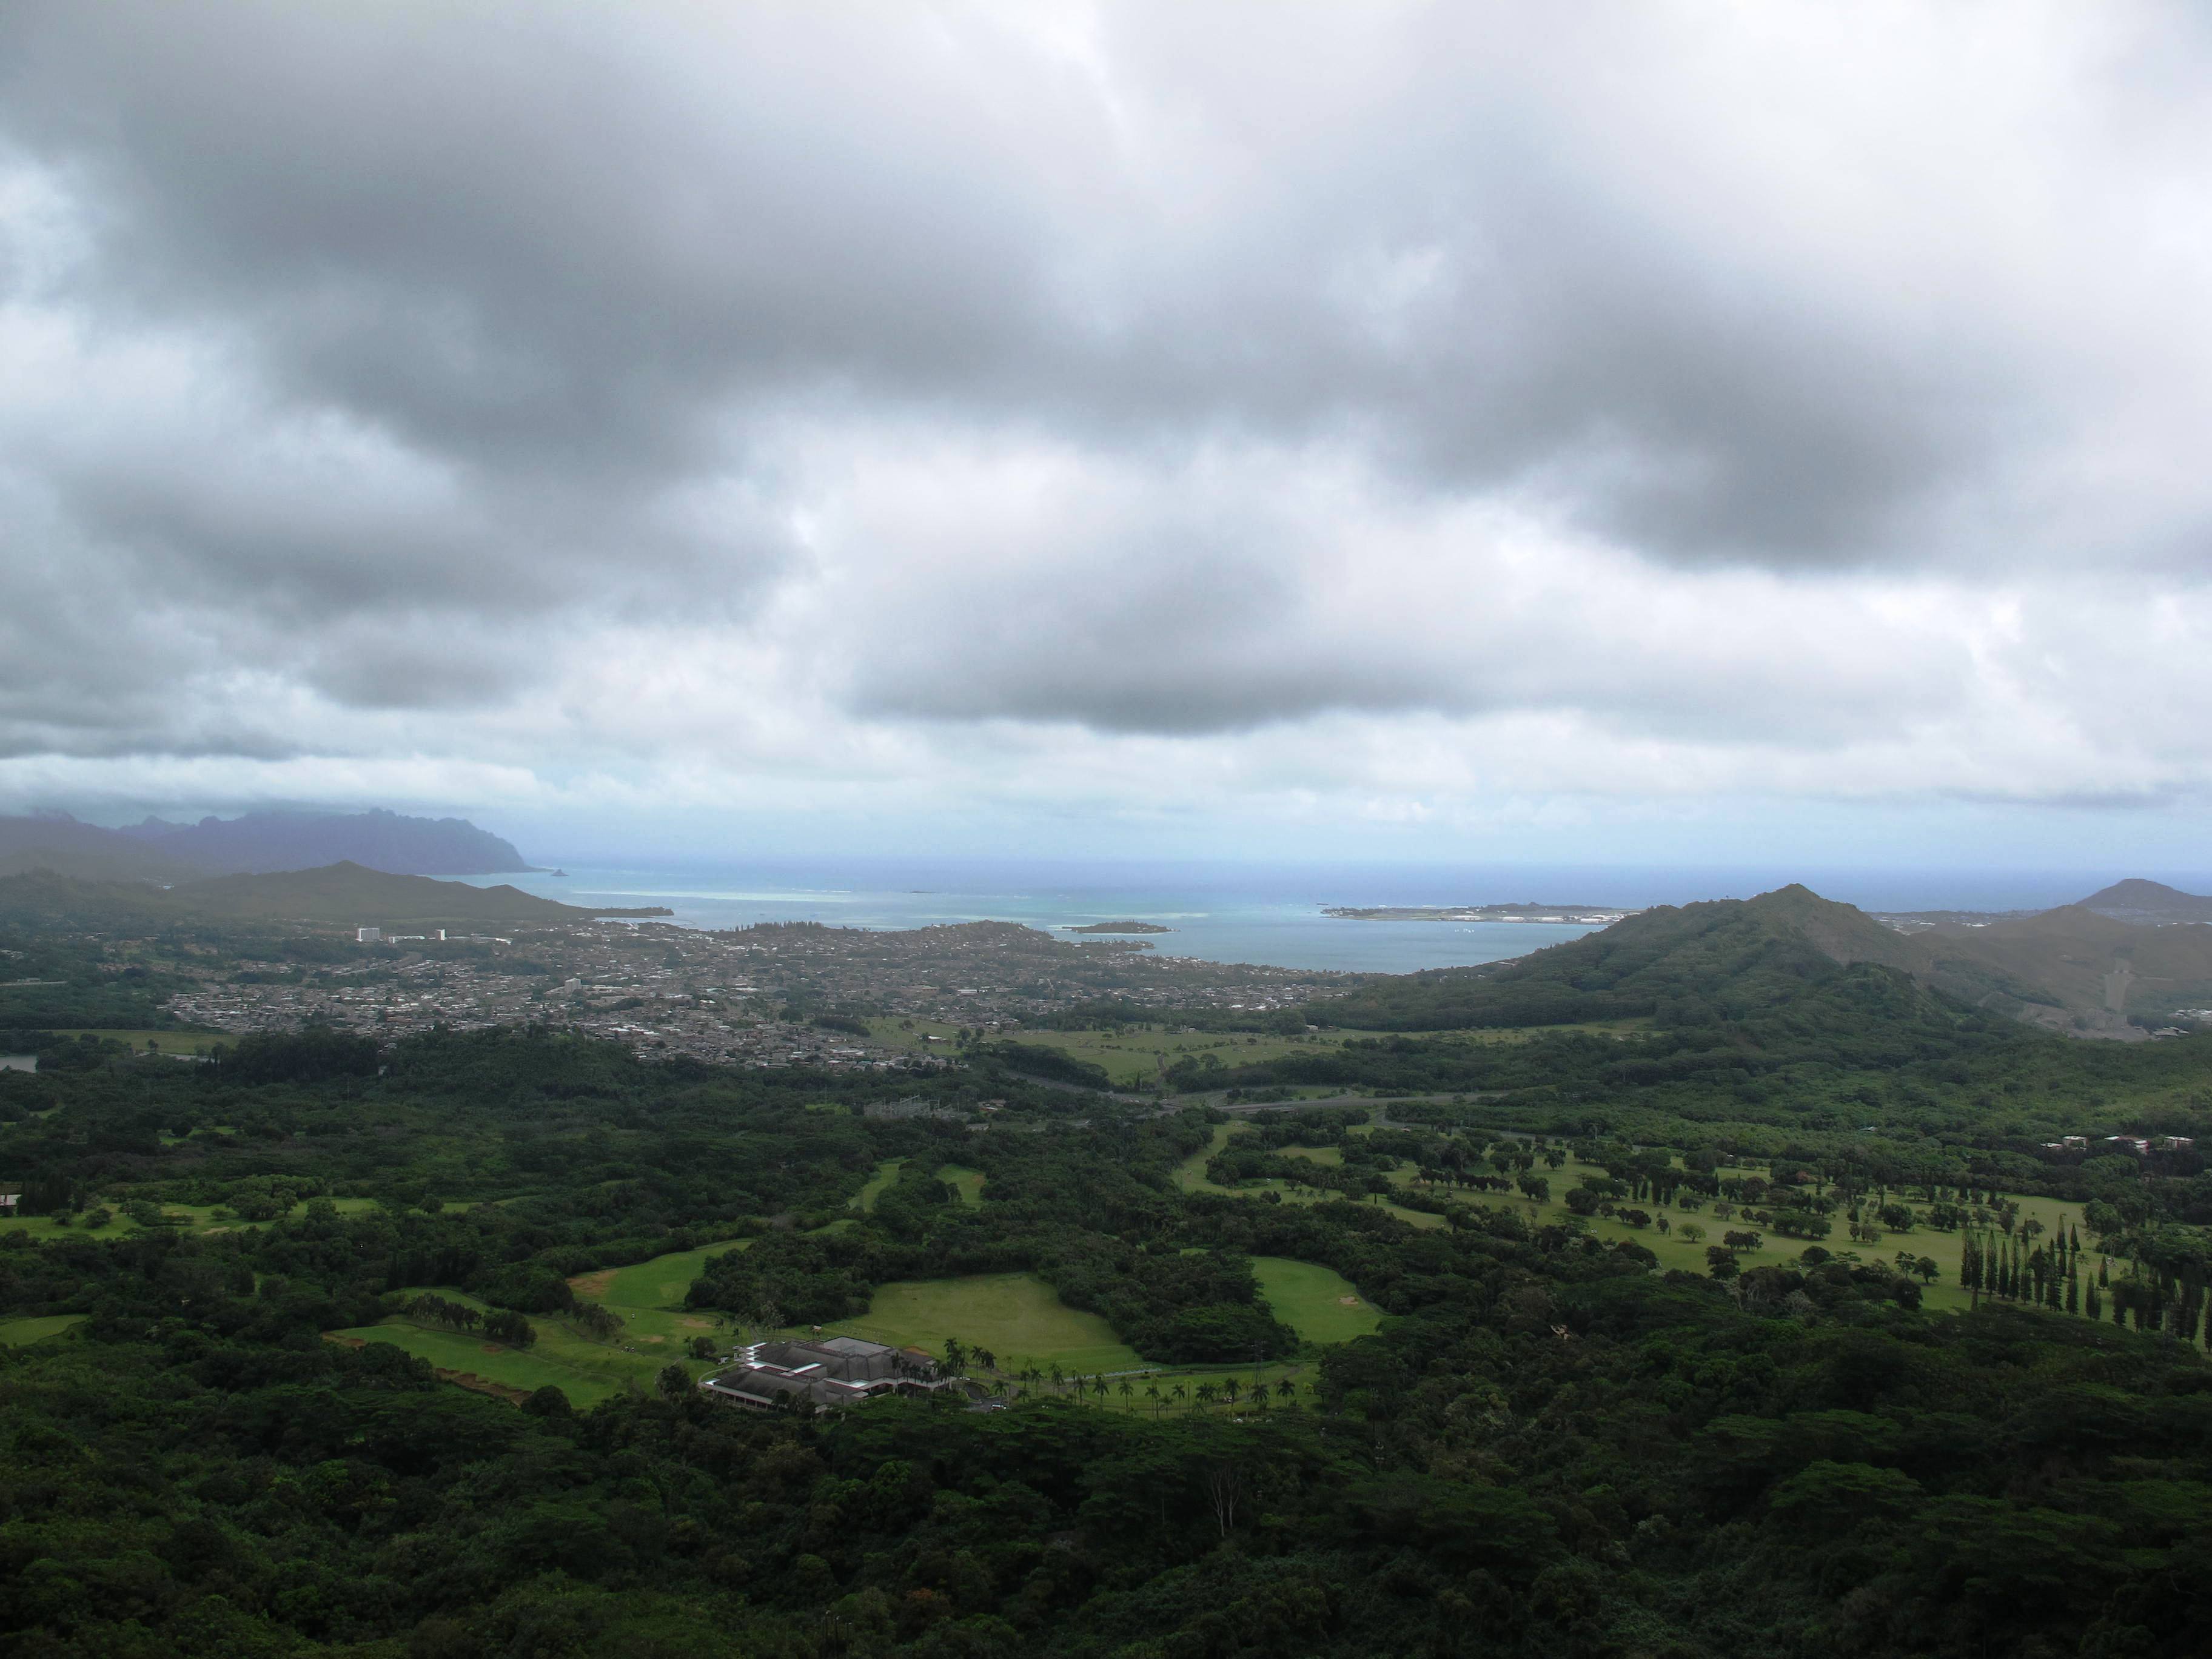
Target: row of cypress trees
[(2012, 1268)]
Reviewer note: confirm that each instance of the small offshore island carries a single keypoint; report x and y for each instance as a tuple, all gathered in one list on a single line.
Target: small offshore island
[(1599, 916), (1116, 928)]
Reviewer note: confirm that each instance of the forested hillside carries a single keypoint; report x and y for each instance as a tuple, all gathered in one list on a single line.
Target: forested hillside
[(1736, 956), (262, 1322), (1668, 963)]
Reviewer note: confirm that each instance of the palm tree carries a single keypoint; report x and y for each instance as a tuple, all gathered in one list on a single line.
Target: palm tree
[(1287, 1388), (1180, 1392), (1153, 1394), (1079, 1382), (1056, 1377), (1205, 1392), (1229, 1389), (1126, 1388)]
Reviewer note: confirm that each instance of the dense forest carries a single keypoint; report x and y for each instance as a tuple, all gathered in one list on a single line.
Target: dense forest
[(1550, 1446)]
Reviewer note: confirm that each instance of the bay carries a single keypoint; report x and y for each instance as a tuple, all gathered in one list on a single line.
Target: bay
[(1270, 914)]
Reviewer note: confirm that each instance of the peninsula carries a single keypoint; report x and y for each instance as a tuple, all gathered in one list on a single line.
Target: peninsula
[(1595, 915)]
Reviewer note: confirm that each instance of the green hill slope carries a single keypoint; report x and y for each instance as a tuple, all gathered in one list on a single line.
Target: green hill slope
[(2147, 903), (1672, 963)]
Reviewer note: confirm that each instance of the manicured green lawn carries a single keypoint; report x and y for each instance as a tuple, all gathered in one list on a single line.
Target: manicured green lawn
[(970, 1181), (886, 1173), (1016, 1316), (660, 1283), (583, 1368), (1317, 1302), (46, 1226), (1190, 1174), (1945, 1250), (454, 1352), (1190, 1177), (22, 1333)]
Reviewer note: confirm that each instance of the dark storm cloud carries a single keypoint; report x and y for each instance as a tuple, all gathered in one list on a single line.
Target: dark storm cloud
[(542, 240), (468, 329), (536, 236)]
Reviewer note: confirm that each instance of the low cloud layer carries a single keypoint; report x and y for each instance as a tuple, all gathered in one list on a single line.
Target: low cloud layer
[(1369, 413)]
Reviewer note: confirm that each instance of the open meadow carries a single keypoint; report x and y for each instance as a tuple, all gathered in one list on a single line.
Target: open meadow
[(202, 1218), (656, 1332), (1673, 1248), (968, 1182), (1945, 1292), (1191, 1177), (22, 1333), (1318, 1303), (1017, 1316), (886, 1172), (657, 1285)]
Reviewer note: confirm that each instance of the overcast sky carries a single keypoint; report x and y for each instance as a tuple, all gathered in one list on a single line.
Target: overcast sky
[(1521, 432)]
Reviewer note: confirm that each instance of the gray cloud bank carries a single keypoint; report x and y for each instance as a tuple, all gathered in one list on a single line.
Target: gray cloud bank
[(1798, 394)]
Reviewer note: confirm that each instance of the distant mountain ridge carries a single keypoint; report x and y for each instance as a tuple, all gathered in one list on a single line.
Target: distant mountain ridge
[(346, 894), (83, 852), (262, 842), (255, 843)]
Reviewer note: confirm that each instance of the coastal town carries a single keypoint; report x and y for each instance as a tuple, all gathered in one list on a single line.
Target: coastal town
[(777, 994)]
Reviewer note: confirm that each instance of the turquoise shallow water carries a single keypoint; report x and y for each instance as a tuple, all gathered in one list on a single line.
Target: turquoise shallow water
[(1237, 914), (1212, 920)]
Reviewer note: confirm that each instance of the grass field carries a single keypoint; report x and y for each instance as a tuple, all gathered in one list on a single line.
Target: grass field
[(1190, 1174), (470, 1356), (1016, 1316), (1672, 1249), (886, 1173), (166, 1042), (43, 1227), (1133, 1058), (185, 1217), (1190, 1177), (970, 1181), (657, 1331), (1128, 1058), (1317, 1302), (659, 1284), (1945, 1250), (22, 1333)]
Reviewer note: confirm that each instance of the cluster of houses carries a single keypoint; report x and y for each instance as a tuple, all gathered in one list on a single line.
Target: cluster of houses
[(2140, 1143), (826, 1371)]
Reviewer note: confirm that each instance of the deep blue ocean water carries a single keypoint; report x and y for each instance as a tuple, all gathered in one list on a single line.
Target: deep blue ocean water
[(1257, 914)]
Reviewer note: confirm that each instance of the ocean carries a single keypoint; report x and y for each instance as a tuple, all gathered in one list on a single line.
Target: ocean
[(1270, 914)]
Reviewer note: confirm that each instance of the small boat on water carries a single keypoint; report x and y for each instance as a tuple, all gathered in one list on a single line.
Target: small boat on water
[(559, 872)]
